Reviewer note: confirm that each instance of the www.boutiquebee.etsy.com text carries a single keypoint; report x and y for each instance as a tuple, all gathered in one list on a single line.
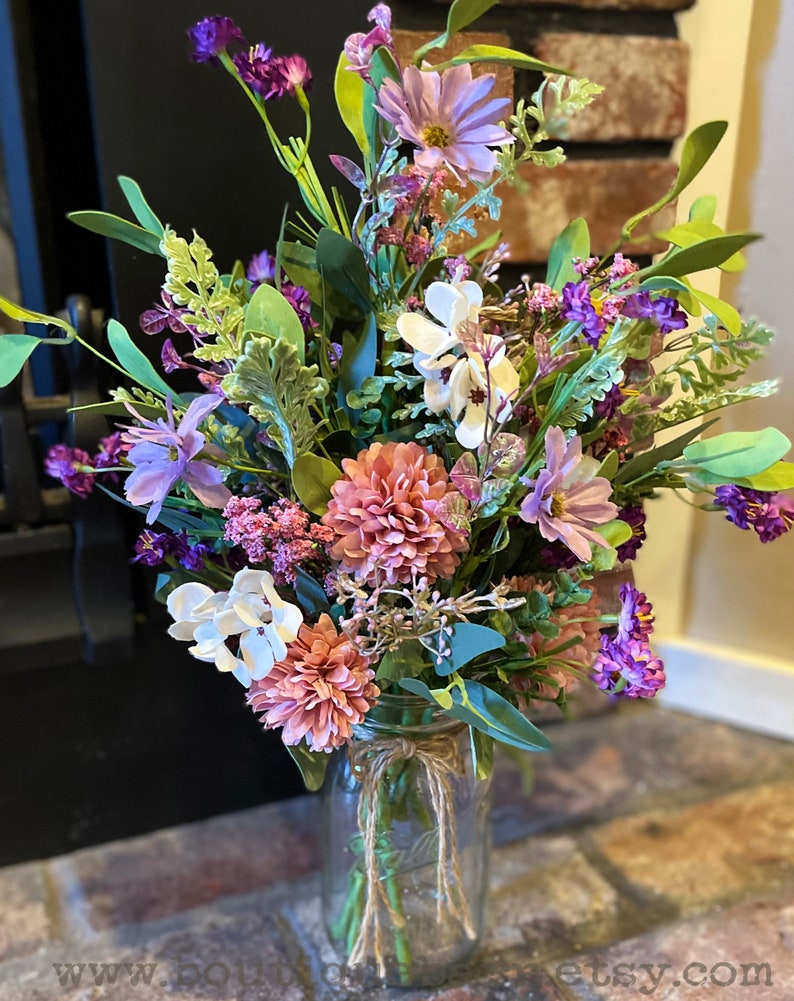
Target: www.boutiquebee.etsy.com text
[(644, 978)]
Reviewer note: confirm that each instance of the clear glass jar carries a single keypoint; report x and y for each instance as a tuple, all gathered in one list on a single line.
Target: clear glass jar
[(406, 841)]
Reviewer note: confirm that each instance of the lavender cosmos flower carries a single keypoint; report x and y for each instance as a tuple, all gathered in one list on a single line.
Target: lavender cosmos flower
[(163, 454), (211, 36), (449, 117), (578, 306), (663, 311), (568, 500), (769, 514)]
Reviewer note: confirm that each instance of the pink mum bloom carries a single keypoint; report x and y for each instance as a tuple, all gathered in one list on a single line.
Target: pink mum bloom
[(319, 691), (449, 117), (568, 500), (389, 513), (163, 454)]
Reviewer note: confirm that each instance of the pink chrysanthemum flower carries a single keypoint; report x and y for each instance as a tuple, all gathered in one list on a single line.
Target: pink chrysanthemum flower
[(389, 512), (449, 117), (319, 691), (568, 501), (581, 655)]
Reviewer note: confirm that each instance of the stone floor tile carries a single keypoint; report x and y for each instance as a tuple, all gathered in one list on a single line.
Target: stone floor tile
[(715, 851), (26, 919), (746, 951), (626, 761), (231, 951), (149, 877), (546, 898)]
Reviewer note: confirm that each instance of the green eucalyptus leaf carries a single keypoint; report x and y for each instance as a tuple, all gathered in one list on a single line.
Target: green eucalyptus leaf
[(342, 265), (697, 150), (15, 312), (604, 558), (609, 466), (779, 476), (358, 361), (312, 478), (486, 710), (501, 56), (139, 206), (269, 313), (646, 461), (615, 532), (573, 241), (408, 660), (724, 311), (115, 228), (739, 453), (462, 13), (135, 362), (312, 764), (349, 88), (687, 234), (15, 349), (703, 208), (310, 593), (468, 641), (700, 256), (481, 752), (435, 696)]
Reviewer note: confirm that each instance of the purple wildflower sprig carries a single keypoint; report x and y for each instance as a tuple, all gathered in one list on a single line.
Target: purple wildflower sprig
[(625, 664), (767, 513), (263, 77)]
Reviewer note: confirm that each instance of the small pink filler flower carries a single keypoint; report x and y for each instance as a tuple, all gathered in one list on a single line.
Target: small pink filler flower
[(568, 501), (389, 512), (319, 691)]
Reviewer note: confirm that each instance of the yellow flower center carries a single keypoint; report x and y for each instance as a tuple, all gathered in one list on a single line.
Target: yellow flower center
[(557, 505), (436, 135), (173, 453)]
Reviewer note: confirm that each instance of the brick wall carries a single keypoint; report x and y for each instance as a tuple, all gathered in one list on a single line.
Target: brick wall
[(619, 148)]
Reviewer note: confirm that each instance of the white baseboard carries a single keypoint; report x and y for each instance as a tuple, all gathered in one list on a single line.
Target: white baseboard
[(733, 686)]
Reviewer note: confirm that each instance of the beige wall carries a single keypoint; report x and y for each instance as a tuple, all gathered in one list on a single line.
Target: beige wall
[(711, 582)]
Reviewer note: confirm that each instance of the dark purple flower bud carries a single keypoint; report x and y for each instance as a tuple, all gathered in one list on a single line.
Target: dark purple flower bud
[(212, 36), (152, 548), (255, 68), (298, 297), (608, 407), (633, 515), (65, 464)]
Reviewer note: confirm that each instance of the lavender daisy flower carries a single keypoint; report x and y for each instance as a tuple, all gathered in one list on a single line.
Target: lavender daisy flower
[(568, 501), (449, 117), (163, 454), (578, 306), (211, 36)]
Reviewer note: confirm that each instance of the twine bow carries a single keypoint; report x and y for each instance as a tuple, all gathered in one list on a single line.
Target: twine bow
[(440, 758)]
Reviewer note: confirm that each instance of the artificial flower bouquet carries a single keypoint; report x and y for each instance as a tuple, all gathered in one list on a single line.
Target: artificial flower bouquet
[(396, 476)]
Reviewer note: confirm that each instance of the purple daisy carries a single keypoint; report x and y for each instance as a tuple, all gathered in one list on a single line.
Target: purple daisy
[(635, 620), (255, 68), (568, 501), (261, 269), (211, 36), (72, 466), (449, 117)]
